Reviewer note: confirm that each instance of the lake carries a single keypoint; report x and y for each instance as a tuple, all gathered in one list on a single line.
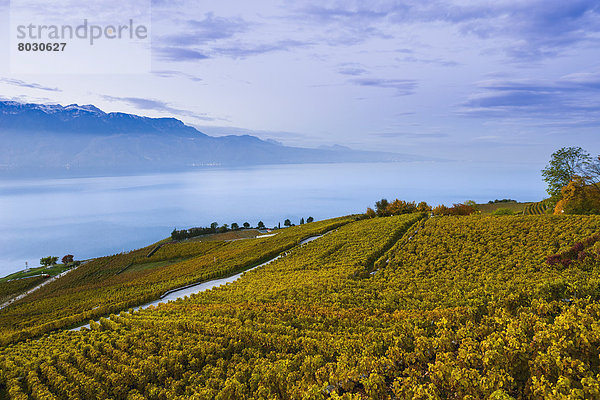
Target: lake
[(90, 217)]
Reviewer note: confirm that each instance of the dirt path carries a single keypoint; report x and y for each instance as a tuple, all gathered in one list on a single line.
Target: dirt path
[(181, 292), (33, 289)]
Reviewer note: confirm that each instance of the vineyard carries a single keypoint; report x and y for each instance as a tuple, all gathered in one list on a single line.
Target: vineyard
[(15, 287), (390, 307), (111, 284), (539, 208)]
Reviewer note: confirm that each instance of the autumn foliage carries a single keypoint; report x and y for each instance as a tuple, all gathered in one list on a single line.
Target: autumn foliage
[(383, 208), (579, 198), (459, 307), (456, 209)]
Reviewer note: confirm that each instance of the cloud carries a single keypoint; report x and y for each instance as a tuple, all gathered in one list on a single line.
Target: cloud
[(407, 135), (170, 74), (243, 50), (403, 87), (156, 105), (209, 29), (17, 82), (180, 54), (215, 36), (533, 29), (572, 97), (351, 69), (425, 60)]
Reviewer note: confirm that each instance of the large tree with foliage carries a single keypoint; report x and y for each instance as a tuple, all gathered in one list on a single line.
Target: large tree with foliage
[(381, 207), (565, 164), (48, 261), (579, 198), (67, 259), (592, 175)]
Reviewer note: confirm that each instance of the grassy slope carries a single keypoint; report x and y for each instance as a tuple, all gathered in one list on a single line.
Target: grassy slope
[(52, 271)]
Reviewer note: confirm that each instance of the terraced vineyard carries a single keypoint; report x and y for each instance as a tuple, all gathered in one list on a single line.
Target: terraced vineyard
[(394, 307), (115, 283), (15, 287)]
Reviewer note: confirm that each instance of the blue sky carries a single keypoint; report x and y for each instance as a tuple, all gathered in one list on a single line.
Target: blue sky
[(493, 81)]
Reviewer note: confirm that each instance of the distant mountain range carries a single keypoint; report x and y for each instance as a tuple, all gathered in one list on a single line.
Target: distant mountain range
[(82, 140)]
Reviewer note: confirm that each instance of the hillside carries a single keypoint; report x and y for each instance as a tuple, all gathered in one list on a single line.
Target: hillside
[(515, 207), (115, 283), (391, 307), (52, 140)]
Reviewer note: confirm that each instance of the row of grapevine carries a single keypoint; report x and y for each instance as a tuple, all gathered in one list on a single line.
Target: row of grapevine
[(462, 307), (105, 286), (15, 287), (187, 349), (538, 208)]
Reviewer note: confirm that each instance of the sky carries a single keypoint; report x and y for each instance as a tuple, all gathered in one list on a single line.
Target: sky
[(473, 81)]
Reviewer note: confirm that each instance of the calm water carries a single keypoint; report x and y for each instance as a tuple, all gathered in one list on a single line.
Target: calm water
[(90, 217)]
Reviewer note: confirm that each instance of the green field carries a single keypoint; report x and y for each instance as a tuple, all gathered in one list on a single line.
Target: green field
[(402, 307), (52, 271)]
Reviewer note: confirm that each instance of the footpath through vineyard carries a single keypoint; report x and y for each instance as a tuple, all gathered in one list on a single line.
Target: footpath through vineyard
[(115, 283), (188, 290)]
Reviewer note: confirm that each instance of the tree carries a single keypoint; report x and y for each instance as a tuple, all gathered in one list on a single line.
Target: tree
[(287, 222), (261, 225), (302, 221), (461, 209), (591, 174), (68, 259), (578, 198), (246, 225), (371, 213), (48, 261), (309, 220), (235, 226), (214, 226), (423, 207), (381, 207), (565, 164), (398, 207), (441, 210), (471, 203)]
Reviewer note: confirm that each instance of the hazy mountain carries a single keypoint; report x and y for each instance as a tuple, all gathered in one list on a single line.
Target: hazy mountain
[(52, 139)]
